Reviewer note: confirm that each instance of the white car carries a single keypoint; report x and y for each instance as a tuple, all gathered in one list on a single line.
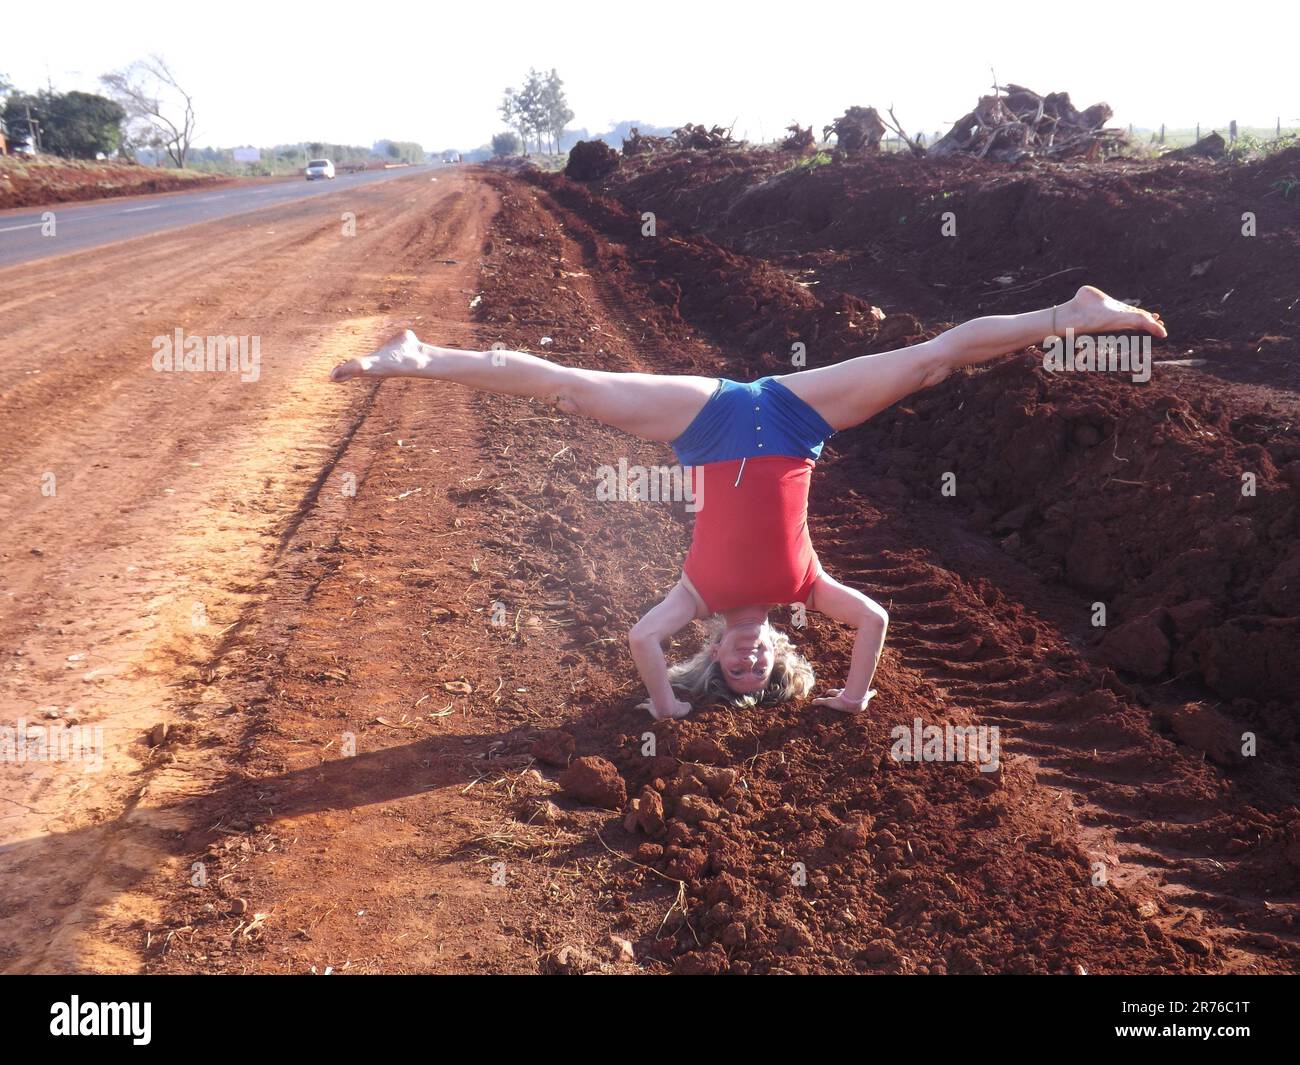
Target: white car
[(320, 168)]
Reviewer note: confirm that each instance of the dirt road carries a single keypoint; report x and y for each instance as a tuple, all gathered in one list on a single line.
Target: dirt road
[(322, 631)]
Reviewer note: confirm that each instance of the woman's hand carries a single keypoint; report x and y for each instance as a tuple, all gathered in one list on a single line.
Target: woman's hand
[(677, 709), (836, 701)]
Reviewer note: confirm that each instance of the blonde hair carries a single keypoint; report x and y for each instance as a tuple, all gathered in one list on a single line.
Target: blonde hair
[(701, 677)]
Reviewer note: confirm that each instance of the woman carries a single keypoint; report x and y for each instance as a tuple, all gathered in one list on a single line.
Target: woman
[(752, 447)]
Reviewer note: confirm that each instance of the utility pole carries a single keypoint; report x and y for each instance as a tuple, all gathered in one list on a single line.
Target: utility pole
[(33, 131)]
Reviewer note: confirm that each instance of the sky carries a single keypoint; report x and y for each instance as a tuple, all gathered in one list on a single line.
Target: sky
[(266, 73)]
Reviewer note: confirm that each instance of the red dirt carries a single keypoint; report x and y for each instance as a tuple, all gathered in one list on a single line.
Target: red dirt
[(48, 181), (463, 617)]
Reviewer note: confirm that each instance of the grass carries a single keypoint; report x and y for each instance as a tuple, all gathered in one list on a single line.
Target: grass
[(809, 162)]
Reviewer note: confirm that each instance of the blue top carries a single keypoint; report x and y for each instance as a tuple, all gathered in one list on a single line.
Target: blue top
[(750, 420)]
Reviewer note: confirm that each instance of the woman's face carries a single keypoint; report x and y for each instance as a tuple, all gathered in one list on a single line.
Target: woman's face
[(744, 652)]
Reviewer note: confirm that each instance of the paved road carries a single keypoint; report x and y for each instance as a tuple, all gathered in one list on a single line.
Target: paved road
[(87, 225)]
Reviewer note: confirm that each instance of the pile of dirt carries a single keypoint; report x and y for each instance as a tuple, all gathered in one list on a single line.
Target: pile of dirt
[(1162, 502), (590, 160), (37, 182), (1164, 233), (1019, 123), (1211, 146)]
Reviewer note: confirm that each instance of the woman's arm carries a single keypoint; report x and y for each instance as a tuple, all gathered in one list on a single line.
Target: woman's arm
[(646, 640), (850, 607)]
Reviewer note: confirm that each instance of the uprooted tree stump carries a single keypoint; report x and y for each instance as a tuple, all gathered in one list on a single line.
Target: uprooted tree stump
[(800, 140), (591, 160), (1017, 123), (858, 130), (700, 139), (638, 143)]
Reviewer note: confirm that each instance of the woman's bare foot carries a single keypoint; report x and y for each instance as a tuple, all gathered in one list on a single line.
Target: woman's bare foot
[(402, 356), (1092, 311)]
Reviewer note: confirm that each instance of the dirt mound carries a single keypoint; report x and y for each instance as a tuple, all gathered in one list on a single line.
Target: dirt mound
[(1168, 234), (1156, 500), (34, 183), (1211, 146), (589, 160), (594, 782)]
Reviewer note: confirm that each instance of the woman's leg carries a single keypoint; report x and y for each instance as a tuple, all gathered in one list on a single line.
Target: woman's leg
[(850, 392), (651, 406)]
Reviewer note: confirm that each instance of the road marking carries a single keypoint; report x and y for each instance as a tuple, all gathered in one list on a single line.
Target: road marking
[(30, 225), (151, 207)]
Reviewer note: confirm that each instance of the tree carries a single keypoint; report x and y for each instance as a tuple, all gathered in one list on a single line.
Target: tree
[(25, 118), (402, 151), (538, 110), (556, 108), (505, 143), (159, 112), (80, 125), (514, 115)]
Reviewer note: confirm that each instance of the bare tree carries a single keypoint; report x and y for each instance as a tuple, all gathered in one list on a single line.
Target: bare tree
[(158, 110)]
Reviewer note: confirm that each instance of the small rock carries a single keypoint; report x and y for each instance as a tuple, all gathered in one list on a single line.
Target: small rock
[(1194, 944), (594, 781), (622, 948), (705, 749), (1139, 646), (649, 853), (881, 952), (546, 812), (1207, 729), (571, 960), (650, 813), (696, 808), (734, 935)]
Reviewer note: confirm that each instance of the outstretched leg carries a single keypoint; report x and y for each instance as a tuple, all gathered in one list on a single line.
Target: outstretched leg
[(850, 392), (651, 406)]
